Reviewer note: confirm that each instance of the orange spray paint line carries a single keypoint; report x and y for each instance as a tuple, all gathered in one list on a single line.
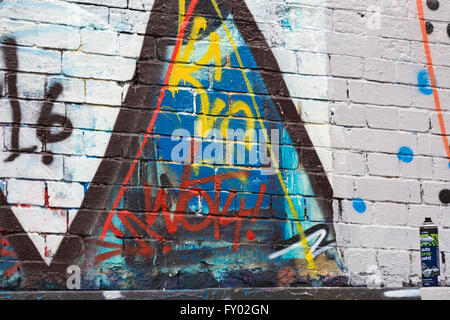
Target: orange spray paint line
[(432, 76)]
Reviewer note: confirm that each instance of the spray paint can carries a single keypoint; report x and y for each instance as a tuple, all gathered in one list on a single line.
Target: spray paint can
[(429, 253)]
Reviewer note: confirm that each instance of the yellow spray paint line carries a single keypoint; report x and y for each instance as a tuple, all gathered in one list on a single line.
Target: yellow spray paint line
[(303, 240), (182, 11)]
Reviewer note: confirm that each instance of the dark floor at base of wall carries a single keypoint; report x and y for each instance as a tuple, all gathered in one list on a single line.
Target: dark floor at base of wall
[(349, 293)]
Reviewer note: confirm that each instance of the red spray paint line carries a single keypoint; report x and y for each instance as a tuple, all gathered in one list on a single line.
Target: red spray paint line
[(11, 271), (154, 116), (432, 76)]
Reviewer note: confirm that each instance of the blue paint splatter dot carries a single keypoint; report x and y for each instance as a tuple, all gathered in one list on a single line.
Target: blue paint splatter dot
[(423, 81), (405, 154), (285, 21), (359, 205), (285, 24)]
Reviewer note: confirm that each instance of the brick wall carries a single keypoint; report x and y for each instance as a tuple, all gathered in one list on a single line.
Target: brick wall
[(391, 152), (98, 192)]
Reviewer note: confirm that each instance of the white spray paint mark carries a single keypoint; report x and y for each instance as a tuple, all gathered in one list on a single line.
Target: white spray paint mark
[(112, 295), (320, 234), (374, 281), (374, 21), (407, 293)]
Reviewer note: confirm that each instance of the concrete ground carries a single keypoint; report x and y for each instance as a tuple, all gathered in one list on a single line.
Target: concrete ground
[(438, 293)]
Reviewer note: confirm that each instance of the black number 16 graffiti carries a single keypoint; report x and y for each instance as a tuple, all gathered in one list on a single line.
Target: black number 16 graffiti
[(46, 120)]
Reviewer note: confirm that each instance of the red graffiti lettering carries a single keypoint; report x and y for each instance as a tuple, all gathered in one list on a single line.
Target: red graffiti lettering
[(189, 189)]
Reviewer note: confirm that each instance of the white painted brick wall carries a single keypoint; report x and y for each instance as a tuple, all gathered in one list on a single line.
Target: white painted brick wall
[(128, 21), (385, 189), (26, 135), (99, 41), (141, 4), (352, 115), (349, 216), (386, 111), (75, 168), (29, 166), (393, 265), (346, 66), (29, 86), (391, 214), (64, 195), (130, 45), (33, 111), (380, 93), (314, 111), (82, 116), (74, 89), (359, 260), (35, 191), (60, 13), (109, 3), (106, 67), (349, 163), (38, 60), (103, 92), (413, 120)]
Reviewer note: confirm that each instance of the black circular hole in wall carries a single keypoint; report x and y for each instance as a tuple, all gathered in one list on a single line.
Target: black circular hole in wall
[(429, 27), (444, 196), (433, 4), (47, 159)]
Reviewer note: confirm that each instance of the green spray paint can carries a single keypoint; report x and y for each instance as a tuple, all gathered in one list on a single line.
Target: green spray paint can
[(429, 254)]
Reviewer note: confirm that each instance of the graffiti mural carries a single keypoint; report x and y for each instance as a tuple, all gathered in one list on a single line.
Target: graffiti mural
[(201, 174)]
